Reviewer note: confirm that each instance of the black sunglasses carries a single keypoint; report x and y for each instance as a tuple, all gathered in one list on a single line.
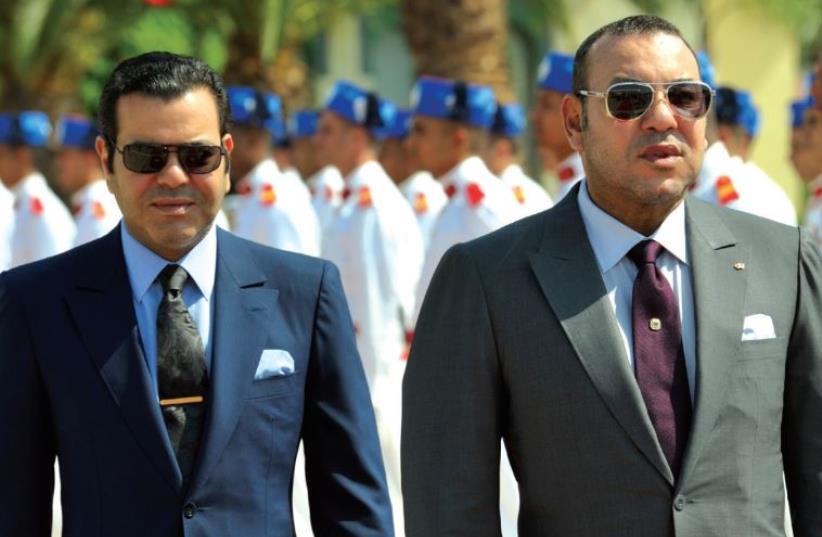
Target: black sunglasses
[(630, 100), (151, 158)]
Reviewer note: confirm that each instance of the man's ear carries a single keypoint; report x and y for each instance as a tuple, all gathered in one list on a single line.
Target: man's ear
[(228, 144), (572, 121)]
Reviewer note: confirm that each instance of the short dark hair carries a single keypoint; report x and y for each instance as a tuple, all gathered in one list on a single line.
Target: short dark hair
[(633, 25), (157, 74)]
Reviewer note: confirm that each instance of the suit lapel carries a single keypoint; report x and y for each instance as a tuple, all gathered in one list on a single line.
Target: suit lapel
[(103, 308), (569, 276), (719, 293), (244, 316)]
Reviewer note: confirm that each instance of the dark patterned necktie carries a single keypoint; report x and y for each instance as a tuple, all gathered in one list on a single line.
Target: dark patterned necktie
[(659, 359), (181, 371)]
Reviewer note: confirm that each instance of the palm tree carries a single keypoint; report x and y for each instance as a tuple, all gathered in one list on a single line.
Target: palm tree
[(46, 46)]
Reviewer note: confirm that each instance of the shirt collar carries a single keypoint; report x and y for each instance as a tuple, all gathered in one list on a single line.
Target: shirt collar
[(611, 239), (144, 265)]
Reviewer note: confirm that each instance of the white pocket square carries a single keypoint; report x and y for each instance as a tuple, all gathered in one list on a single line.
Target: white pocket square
[(274, 362), (758, 326)]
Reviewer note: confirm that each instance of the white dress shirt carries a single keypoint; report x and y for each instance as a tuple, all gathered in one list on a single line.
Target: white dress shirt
[(611, 241), (143, 266)]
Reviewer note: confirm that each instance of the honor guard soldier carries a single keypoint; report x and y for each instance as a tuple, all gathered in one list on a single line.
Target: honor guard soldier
[(806, 156), (6, 226), (43, 225), (424, 193), (79, 174), (451, 119), (726, 179), (376, 243), (501, 153), (283, 153), (324, 181), (554, 80), (451, 122), (276, 209)]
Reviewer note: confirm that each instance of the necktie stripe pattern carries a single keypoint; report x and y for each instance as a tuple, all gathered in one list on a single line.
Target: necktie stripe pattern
[(181, 371), (659, 358)]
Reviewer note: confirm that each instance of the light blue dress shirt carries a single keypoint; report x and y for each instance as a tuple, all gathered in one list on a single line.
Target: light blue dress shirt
[(143, 266), (611, 241)]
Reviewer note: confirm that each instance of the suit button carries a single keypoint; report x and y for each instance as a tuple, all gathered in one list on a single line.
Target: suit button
[(679, 503), (189, 510)]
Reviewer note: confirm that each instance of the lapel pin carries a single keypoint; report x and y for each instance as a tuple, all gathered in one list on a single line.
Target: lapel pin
[(739, 266), (655, 324)]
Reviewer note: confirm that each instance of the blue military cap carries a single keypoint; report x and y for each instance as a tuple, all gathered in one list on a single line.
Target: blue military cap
[(556, 72), (798, 109), (509, 120), (303, 123), (749, 113), (398, 128), (254, 108), (706, 69), (454, 100), (31, 128), (359, 106), (735, 107), (76, 132)]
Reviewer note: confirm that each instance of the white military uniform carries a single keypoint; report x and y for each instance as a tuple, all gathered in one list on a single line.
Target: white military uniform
[(43, 225), (479, 202), (376, 243), (569, 173), (730, 182), (95, 211), (530, 195), (813, 211), (326, 187), (6, 226), (427, 198), (277, 212)]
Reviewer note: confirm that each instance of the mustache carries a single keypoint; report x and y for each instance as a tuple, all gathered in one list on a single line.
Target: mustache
[(183, 192), (666, 138)]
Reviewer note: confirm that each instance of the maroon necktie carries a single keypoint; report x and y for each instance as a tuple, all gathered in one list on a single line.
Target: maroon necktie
[(659, 360)]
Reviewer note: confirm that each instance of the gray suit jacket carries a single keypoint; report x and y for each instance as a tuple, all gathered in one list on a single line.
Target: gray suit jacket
[(517, 340)]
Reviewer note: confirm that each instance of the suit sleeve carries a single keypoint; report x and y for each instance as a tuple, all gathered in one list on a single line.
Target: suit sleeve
[(452, 400), (344, 468), (27, 444), (802, 418)]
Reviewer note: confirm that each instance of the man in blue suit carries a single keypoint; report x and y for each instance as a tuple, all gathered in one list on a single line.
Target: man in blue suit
[(172, 367)]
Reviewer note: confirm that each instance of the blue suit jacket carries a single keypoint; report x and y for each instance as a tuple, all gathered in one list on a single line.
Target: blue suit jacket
[(73, 382)]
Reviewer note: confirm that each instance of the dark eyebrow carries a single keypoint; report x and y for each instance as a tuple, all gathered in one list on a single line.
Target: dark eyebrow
[(196, 143), (618, 79)]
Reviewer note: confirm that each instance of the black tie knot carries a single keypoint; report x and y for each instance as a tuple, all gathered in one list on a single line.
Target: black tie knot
[(645, 252), (172, 278)]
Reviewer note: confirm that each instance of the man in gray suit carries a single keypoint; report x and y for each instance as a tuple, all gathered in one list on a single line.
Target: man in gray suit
[(652, 363)]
